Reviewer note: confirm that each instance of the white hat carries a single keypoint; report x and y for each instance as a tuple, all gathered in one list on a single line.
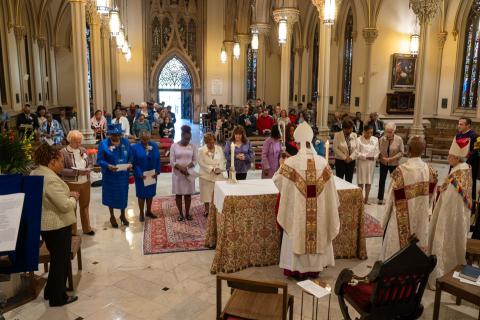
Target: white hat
[(460, 147), (302, 135)]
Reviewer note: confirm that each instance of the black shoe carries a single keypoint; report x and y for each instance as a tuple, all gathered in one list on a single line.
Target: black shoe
[(151, 215), (124, 221), (141, 218), (114, 223), (189, 217), (180, 218), (70, 299), (91, 233)]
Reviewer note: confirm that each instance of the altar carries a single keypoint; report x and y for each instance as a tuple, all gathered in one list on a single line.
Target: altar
[(242, 225)]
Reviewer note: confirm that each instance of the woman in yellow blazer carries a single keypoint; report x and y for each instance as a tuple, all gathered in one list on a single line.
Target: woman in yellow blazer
[(58, 215)]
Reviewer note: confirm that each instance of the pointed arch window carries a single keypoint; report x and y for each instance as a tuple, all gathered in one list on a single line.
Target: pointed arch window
[(316, 49), (347, 59), (174, 76), (89, 64), (470, 65), (251, 73), (3, 86)]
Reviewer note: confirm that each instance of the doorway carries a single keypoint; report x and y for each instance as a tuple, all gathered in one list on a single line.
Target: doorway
[(175, 88)]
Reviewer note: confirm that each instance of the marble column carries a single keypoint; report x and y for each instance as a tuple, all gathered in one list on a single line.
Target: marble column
[(96, 60), (14, 70), (53, 77), (263, 32), (425, 11), (299, 53), (370, 35), (291, 15), (36, 73), (19, 32), (229, 49), (42, 67), (442, 38), (79, 51), (107, 72)]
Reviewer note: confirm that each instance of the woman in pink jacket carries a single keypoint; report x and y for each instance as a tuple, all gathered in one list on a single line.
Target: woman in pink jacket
[(271, 152)]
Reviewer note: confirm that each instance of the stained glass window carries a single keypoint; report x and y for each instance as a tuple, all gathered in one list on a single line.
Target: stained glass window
[(192, 39), (471, 67), (89, 64), (251, 73), (3, 90), (28, 95), (316, 49), (292, 70), (347, 59), (174, 76)]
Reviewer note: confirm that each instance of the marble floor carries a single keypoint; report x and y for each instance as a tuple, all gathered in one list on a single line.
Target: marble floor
[(118, 282)]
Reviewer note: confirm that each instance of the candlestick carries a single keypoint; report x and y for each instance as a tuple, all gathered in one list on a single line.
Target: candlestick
[(231, 174)]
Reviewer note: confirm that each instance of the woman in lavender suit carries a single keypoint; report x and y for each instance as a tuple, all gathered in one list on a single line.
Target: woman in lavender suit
[(271, 152), (243, 153)]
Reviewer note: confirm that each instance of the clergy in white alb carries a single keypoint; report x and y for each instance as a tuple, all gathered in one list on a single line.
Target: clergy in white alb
[(409, 201), (450, 223), (308, 209)]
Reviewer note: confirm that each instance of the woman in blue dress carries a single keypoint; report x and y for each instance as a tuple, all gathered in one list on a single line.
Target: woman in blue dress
[(145, 157), (113, 151)]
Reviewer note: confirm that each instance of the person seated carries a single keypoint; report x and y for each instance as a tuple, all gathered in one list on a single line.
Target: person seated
[(376, 124), (293, 116), (51, 131), (141, 124), (301, 118), (172, 116), (265, 123), (248, 121), (167, 130)]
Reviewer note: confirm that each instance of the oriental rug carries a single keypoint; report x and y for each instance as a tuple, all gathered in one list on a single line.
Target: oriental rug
[(166, 234), (373, 228)]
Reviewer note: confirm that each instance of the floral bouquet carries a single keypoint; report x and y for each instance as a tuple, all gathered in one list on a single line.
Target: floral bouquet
[(15, 152), (476, 146)]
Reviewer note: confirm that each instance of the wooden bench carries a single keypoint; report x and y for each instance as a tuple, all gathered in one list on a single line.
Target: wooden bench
[(76, 250)]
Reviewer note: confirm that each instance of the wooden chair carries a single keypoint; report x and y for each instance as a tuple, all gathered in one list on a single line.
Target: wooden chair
[(392, 290), (253, 299), (76, 250), (473, 251)]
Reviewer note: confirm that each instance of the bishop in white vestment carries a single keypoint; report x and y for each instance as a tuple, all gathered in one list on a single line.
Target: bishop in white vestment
[(450, 221), (409, 201), (308, 209)]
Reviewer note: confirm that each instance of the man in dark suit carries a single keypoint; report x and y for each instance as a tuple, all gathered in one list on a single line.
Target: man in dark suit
[(248, 121), (376, 124), (26, 122), (358, 124)]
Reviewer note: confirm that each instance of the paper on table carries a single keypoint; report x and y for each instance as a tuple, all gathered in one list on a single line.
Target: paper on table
[(122, 167), (10, 213), (150, 178), (456, 275), (314, 289)]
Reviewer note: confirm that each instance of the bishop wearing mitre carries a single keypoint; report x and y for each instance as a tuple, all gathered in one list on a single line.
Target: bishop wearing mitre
[(409, 201), (308, 209), (450, 223)]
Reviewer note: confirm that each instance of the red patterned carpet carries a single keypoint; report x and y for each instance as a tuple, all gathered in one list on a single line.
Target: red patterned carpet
[(166, 234), (373, 228)]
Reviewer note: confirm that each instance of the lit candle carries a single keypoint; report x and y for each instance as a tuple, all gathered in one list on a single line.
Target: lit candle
[(232, 156), (327, 147)]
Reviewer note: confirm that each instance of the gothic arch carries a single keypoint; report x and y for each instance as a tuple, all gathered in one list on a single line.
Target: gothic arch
[(342, 18), (160, 63), (340, 34)]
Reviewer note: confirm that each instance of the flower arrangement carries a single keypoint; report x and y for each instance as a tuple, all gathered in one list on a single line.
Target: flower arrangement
[(15, 152), (476, 146)]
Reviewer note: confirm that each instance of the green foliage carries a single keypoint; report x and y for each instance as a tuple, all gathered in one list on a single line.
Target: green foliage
[(15, 153)]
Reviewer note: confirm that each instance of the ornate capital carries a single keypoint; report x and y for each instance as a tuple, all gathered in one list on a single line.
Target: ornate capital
[(19, 32), (370, 35), (228, 45), (243, 38), (41, 41), (319, 5), (442, 38), (291, 14), (425, 10), (262, 28)]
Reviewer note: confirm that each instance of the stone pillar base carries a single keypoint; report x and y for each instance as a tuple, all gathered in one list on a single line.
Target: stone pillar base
[(417, 131), (323, 133)]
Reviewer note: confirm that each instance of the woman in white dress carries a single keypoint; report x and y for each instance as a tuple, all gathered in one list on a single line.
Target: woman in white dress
[(212, 165), (367, 154)]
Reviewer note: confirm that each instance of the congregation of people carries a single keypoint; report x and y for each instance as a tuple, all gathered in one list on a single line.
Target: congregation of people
[(290, 145)]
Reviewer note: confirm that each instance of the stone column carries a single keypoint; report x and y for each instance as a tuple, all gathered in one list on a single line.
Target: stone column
[(36, 73), (263, 32), (42, 67), (19, 32), (244, 40), (425, 11), (79, 51), (291, 15), (96, 60), (370, 35), (229, 49), (442, 38), (107, 73), (299, 53), (53, 77)]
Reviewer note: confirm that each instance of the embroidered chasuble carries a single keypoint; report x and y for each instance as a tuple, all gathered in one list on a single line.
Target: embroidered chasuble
[(308, 213), (450, 223), (408, 206)]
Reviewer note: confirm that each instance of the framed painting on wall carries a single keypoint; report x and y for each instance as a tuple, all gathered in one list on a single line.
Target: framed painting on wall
[(403, 71)]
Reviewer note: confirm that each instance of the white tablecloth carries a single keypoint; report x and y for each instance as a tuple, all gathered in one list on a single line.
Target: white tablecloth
[(257, 187), (251, 187)]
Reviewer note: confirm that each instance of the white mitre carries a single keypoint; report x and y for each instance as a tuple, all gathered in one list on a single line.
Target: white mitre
[(302, 135), (460, 147)]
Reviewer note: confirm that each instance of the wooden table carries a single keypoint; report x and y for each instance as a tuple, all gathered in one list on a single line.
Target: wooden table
[(462, 291), (242, 225)]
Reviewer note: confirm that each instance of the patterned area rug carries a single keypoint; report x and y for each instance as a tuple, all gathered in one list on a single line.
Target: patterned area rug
[(166, 234), (373, 228)]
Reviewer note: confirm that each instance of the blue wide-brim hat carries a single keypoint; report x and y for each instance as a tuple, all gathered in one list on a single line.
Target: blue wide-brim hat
[(114, 128)]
